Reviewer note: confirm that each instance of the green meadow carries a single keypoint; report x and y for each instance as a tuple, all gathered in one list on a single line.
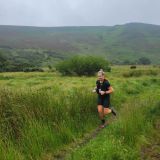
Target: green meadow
[(42, 113)]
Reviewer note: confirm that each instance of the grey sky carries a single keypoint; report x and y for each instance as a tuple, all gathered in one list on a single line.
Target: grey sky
[(78, 12)]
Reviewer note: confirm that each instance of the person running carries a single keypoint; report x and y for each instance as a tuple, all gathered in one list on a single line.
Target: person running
[(103, 89)]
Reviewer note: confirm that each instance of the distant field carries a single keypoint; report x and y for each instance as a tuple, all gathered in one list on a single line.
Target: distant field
[(42, 113), (42, 79)]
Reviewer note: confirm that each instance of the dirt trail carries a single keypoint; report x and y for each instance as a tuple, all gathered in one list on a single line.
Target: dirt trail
[(61, 155), (148, 152), (152, 150)]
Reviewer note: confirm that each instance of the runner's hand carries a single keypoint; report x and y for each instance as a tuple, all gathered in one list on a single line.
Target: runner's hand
[(102, 92)]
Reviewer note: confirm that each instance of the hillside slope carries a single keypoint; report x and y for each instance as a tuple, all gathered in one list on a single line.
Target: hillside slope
[(118, 43)]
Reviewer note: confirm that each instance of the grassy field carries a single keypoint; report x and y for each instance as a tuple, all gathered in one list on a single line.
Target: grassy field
[(41, 113)]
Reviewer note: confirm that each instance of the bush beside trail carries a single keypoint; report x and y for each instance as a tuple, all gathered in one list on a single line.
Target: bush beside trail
[(83, 65)]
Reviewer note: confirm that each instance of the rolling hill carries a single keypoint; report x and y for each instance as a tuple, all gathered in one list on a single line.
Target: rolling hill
[(46, 45)]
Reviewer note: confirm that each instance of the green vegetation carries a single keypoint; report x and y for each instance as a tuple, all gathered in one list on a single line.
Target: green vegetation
[(141, 72), (41, 113), (30, 47), (144, 60), (27, 59), (82, 65), (36, 122), (123, 139)]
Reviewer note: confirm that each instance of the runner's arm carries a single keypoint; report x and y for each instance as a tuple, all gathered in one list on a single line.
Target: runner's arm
[(110, 90)]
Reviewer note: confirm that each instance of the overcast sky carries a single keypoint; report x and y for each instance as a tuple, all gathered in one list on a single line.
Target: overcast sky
[(78, 12)]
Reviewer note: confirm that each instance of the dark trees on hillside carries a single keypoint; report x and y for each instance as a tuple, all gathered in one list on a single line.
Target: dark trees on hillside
[(144, 61)]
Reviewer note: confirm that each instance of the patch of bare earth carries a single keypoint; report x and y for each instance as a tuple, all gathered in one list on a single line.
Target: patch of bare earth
[(151, 151)]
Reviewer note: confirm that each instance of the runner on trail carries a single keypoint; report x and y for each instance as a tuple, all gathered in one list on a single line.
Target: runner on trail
[(103, 89)]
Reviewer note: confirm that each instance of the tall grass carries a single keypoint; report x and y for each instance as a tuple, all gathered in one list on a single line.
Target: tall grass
[(141, 72), (123, 138), (37, 121)]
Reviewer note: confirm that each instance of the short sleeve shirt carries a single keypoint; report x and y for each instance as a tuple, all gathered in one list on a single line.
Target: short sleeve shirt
[(104, 86)]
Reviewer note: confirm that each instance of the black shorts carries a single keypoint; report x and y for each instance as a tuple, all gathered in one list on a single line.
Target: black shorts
[(104, 101)]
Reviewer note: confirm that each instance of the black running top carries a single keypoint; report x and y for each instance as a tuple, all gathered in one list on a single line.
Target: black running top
[(104, 86)]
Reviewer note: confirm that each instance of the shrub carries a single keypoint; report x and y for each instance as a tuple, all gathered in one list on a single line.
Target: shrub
[(82, 65), (33, 70), (133, 67)]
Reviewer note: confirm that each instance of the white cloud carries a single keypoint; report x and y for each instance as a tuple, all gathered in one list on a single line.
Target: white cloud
[(78, 12)]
